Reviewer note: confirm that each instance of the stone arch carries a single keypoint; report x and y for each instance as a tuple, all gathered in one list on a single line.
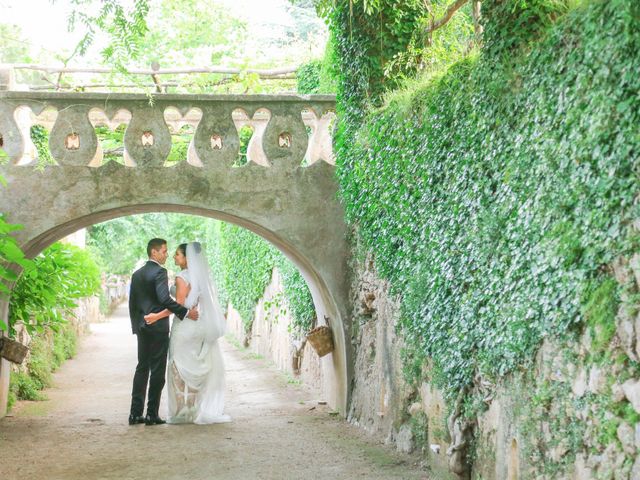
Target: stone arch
[(295, 208), (323, 299)]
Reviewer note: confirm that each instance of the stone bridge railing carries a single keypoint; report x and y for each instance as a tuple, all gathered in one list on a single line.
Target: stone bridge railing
[(288, 130)]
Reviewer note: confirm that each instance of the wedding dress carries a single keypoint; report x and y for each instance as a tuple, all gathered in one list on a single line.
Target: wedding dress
[(195, 382)]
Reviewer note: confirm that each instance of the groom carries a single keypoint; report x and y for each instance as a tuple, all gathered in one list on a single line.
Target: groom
[(149, 293)]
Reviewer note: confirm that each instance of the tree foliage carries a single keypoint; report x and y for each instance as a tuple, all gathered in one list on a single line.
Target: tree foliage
[(126, 27), (47, 289), (196, 33), (10, 253)]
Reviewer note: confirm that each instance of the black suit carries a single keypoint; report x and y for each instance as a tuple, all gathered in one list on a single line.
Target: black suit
[(149, 293)]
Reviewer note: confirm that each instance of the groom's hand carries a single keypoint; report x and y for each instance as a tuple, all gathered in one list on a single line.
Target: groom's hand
[(193, 313)]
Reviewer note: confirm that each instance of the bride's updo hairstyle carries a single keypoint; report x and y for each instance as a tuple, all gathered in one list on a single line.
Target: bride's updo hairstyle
[(183, 249)]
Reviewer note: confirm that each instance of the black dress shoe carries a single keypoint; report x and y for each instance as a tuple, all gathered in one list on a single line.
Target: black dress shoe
[(153, 420), (134, 419)]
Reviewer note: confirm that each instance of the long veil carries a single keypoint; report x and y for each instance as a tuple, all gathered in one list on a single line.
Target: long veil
[(204, 293)]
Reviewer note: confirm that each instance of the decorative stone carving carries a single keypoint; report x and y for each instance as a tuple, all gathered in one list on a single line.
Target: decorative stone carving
[(147, 138), (72, 142), (216, 139), (285, 138), (320, 140), (72, 124), (257, 120), (279, 123), (275, 203), (14, 128), (216, 142)]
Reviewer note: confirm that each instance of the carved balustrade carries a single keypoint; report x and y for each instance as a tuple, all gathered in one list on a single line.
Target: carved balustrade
[(288, 131)]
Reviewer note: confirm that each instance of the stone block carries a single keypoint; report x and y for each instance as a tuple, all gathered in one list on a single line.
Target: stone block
[(631, 390), (637, 340), (634, 263), (7, 78), (597, 380), (635, 470), (415, 408), (579, 386), (585, 342), (580, 469), (617, 394), (627, 436), (626, 331), (621, 270), (611, 461), (404, 439)]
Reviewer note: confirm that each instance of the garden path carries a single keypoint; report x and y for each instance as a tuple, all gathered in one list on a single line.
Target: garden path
[(279, 431)]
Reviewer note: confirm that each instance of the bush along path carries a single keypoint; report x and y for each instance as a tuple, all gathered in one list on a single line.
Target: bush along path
[(279, 429)]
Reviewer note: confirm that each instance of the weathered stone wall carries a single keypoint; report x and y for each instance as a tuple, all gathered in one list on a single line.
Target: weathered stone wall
[(114, 291), (87, 311), (5, 365), (378, 388), (573, 414), (382, 403), (270, 338)]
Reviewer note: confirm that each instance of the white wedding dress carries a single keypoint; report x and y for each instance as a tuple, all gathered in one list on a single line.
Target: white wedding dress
[(195, 374)]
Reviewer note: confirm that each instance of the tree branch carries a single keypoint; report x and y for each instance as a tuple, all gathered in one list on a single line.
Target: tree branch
[(223, 81), (447, 16), (475, 13)]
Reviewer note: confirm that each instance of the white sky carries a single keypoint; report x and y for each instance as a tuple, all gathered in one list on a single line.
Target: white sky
[(44, 23)]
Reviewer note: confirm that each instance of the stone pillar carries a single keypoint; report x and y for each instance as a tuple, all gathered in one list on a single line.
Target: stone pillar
[(4, 364), (7, 77)]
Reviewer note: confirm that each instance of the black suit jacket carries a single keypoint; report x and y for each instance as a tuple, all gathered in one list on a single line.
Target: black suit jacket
[(149, 293)]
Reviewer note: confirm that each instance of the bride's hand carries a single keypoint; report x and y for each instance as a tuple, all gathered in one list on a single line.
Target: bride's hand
[(193, 313), (148, 319)]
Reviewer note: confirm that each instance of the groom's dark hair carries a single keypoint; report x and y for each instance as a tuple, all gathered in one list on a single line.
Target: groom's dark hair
[(155, 244)]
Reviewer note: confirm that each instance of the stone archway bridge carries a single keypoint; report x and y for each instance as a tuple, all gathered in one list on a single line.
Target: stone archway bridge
[(286, 192)]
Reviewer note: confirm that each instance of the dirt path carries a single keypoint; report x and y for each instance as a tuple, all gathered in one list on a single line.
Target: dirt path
[(81, 432)]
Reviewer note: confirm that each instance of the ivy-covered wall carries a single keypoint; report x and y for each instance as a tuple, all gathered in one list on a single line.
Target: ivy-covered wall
[(493, 193), (247, 262), (497, 192)]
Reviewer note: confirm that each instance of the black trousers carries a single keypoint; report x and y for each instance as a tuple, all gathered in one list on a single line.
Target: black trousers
[(151, 369)]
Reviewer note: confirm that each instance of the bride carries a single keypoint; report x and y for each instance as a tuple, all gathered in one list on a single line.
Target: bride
[(196, 368)]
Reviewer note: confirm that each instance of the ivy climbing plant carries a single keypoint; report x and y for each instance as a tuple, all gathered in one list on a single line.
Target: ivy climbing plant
[(495, 191)]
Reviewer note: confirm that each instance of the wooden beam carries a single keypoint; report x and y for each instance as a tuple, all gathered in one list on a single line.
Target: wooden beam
[(162, 71)]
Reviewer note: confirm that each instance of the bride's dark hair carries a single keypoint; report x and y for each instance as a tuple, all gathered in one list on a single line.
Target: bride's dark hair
[(183, 248)]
